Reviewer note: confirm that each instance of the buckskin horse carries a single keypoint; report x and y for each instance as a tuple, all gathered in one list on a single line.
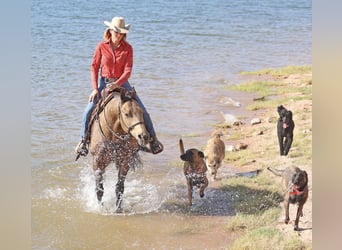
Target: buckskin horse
[(117, 132)]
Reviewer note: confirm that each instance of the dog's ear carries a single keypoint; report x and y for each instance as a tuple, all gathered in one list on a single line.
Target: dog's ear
[(282, 111), (289, 113), (183, 158), (200, 154), (279, 109)]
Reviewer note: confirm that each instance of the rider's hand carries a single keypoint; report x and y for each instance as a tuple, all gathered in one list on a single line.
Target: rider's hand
[(111, 86), (94, 94)]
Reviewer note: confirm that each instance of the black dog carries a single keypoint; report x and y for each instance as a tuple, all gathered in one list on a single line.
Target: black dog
[(285, 127)]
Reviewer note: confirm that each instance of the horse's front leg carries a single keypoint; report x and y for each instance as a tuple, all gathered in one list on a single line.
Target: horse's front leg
[(120, 185), (99, 184), (100, 162)]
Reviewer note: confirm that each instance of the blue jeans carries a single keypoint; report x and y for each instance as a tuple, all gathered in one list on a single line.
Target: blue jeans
[(91, 105)]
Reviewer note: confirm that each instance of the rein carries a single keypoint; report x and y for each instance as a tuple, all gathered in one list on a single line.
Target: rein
[(123, 137), (122, 122)]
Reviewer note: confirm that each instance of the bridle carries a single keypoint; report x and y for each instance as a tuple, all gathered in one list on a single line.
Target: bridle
[(123, 137), (122, 121)]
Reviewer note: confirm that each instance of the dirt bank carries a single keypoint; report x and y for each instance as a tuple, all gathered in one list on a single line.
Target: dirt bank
[(294, 91)]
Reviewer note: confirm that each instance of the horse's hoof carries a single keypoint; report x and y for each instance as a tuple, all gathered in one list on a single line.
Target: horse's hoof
[(119, 210), (99, 195)]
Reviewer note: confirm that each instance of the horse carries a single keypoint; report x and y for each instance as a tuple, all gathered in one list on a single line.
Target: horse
[(118, 132)]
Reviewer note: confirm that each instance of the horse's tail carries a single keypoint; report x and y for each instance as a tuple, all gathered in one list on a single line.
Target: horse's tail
[(277, 172), (181, 147)]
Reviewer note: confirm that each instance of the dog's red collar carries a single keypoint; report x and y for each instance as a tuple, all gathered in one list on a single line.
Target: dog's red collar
[(295, 191)]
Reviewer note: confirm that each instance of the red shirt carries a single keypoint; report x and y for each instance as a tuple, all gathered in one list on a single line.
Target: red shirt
[(113, 64)]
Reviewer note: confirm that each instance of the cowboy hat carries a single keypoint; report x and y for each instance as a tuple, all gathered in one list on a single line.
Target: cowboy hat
[(118, 25)]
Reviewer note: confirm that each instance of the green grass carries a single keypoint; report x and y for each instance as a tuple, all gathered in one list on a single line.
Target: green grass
[(292, 69), (190, 135), (253, 196), (241, 157), (257, 204), (257, 200), (268, 238), (240, 222), (274, 92), (263, 88)]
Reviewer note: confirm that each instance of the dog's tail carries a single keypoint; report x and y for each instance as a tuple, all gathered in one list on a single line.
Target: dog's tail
[(277, 172), (181, 147)]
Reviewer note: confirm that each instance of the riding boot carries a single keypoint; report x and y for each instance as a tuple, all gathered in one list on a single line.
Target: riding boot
[(156, 146), (81, 149)]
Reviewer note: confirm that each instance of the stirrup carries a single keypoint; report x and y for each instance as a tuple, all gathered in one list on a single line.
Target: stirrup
[(81, 149)]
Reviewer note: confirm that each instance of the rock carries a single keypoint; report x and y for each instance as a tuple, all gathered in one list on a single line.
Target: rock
[(240, 146), (230, 148), (261, 98), (259, 132), (238, 123), (255, 121), (230, 101), (230, 119)]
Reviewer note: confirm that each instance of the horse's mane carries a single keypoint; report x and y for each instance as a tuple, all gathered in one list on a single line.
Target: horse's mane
[(107, 96)]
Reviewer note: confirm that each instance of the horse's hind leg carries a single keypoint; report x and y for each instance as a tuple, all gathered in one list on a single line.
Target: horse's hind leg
[(99, 164), (99, 184)]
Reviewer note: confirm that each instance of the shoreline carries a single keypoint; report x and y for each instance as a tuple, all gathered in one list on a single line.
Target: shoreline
[(294, 91)]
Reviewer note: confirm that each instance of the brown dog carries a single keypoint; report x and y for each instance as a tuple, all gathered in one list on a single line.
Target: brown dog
[(194, 170), (295, 186), (214, 154)]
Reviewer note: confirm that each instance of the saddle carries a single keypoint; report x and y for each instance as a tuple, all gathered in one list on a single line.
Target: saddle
[(107, 94)]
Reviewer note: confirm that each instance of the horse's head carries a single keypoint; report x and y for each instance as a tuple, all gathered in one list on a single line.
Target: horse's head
[(132, 117)]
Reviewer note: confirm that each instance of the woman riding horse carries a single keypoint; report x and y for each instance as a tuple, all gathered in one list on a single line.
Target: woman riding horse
[(113, 57)]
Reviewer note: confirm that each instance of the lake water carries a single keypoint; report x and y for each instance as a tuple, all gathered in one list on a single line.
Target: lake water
[(185, 53)]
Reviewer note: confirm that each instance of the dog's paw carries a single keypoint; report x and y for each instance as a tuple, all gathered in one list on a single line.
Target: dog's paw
[(296, 228)]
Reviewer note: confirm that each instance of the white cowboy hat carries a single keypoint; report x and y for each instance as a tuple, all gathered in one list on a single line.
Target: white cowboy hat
[(118, 24)]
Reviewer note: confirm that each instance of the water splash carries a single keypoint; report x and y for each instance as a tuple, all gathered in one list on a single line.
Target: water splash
[(140, 196), (54, 194)]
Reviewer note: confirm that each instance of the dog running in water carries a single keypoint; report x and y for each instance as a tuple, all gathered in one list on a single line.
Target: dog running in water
[(295, 187), (194, 170), (214, 154)]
